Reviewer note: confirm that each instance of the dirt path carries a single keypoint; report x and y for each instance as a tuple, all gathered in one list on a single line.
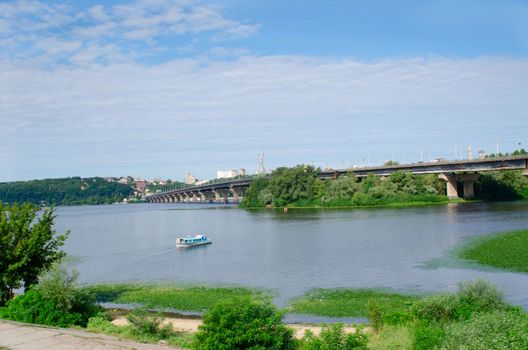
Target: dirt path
[(22, 336)]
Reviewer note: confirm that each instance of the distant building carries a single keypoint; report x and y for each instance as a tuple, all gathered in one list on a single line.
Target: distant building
[(140, 185), (242, 172), (123, 180), (190, 179), (226, 174)]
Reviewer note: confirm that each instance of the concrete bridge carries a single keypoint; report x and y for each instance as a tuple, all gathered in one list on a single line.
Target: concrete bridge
[(463, 172)]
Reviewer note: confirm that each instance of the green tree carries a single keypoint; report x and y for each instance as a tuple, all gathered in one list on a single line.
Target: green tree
[(343, 188), (252, 197), (28, 246), (243, 324), (292, 184)]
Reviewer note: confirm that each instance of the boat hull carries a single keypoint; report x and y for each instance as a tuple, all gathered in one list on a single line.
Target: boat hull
[(190, 245)]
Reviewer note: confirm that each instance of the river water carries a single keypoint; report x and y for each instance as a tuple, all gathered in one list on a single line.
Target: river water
[(404, 248)]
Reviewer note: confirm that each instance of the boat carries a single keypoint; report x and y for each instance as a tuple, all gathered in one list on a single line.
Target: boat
[(185, 242)]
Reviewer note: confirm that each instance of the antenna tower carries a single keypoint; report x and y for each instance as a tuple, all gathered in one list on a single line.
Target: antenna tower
[(261, 170)]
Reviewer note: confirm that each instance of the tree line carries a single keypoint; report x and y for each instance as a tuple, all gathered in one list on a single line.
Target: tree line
[(65, 191), (299, 186)]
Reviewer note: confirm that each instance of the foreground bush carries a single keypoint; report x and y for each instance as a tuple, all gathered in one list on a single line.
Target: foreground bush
[(33, 307), (243, 324), (333, 337), (55, 301), (494, 330)]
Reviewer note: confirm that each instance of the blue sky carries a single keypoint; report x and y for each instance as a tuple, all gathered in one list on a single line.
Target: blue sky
[(159, 88)]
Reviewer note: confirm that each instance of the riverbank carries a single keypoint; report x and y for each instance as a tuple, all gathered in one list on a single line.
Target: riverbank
[(387, 205), (504, 250)]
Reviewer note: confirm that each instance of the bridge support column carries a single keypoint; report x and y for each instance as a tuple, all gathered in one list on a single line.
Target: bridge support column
[(451, 185), (204, 197), (217, 196), (195, 197), (469, 184), (235, 194)]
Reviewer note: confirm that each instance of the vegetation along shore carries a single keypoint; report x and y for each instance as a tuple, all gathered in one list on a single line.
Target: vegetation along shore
[(299, 187)]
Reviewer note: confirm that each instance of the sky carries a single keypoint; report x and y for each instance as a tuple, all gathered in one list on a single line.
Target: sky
[(160, 88)]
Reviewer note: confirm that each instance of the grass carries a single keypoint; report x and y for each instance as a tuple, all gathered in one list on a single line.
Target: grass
[(392, 338), (193, 298), (101, 325), (507, 251), (349, 302)]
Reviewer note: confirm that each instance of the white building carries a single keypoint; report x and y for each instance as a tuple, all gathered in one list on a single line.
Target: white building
[(226, 174)]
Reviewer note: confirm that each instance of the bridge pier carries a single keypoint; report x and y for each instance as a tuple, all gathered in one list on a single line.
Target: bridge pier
[(452, 184), (206, 197), (221, 196), (235, 194)]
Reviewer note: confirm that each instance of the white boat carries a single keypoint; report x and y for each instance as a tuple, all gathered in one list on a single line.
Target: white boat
[(188, 241)]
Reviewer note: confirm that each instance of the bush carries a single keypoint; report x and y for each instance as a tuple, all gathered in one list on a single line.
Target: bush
[(428, 336), (144, 323), (33, 307), (55, 301), (243, 324), (481, 296), (374, 314), (496, 330), (471, 297), (435, 308), (333, 337)]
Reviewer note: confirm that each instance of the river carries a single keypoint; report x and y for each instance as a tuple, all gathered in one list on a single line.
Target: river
[(289, 253)]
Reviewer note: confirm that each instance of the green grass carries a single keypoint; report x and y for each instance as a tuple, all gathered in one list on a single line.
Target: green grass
[(192, 298), (101, 325), (349, 302), (507, 251), (392, 338)]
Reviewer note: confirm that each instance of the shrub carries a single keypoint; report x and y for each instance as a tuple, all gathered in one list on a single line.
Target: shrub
[(496, 330), (428, 336), (32, 307), (55, 301), (374, 314), (481, 296), (436, 308), (333, 337), (144, 323), (471, 297), (243, 324)]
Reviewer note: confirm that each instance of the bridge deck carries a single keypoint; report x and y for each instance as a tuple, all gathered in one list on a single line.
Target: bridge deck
[(440, 167)]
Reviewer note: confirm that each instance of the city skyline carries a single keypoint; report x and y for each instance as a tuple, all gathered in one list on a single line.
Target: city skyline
[(159, 88)]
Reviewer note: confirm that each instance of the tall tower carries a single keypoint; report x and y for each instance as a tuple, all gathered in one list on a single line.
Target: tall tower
[(261, 170), (469, 153)]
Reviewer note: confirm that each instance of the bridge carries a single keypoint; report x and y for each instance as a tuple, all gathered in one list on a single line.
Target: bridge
[(452, 172)]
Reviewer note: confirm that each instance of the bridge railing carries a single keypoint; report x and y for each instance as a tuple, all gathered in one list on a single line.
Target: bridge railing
[(180, 186)]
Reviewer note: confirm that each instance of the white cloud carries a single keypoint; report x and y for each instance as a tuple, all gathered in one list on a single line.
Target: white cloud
[(297, 109), (134, 26)]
